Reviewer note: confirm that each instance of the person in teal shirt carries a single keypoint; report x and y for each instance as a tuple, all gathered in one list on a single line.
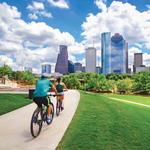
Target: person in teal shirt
[(43, 86)]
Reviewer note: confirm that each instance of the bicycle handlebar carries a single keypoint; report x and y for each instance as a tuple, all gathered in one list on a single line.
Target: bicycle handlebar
[(54, 95)]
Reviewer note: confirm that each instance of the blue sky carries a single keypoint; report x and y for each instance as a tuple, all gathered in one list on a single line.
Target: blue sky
[(36, 28), (69, 20)]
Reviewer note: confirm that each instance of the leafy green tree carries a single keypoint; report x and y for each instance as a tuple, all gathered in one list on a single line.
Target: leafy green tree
[(28, 77), (124, 85), (142, 82), (6, 70), (72, 81)]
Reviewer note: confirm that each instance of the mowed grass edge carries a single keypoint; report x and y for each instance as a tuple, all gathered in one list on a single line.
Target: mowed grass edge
[(100, 124), (10, 102)]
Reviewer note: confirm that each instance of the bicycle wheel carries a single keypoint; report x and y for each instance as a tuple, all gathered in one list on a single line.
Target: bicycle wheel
[(58, 108), (51, 114), (36, 122)]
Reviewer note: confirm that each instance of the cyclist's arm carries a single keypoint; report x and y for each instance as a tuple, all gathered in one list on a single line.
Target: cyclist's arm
[(66, 89), (54, 89)]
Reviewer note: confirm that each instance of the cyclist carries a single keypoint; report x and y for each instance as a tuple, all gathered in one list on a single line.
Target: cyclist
[(40, 94), (60, 86)]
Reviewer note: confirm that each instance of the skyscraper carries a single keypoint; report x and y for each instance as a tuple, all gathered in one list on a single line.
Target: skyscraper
[(114, 53), (62, 60), (70, 66), (46, 68), (77, 67), (118, 54), (138, 61), (106, 52), (90, 59)]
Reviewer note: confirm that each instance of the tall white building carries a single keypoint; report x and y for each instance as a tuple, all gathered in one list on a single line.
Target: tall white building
[(90, 59)]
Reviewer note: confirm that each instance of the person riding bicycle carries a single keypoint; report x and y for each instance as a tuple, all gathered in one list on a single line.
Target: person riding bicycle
[(43, 86), (60, 86)]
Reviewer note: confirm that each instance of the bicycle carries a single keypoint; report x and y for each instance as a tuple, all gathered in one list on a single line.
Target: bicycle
[(39, 116), (58, 106)]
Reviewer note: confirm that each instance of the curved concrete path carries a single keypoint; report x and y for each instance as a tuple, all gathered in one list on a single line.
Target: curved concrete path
[(15, 127)]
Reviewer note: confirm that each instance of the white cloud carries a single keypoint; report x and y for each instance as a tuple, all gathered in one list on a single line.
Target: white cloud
[(45, 14), (148, 6), (101, 4), (59, 3), (37, 10), (121, 17), (36, 6), (30, 44), (33, 16), (5, 60)]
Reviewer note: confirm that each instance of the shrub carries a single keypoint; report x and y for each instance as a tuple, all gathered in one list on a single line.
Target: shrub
[(124, 86)]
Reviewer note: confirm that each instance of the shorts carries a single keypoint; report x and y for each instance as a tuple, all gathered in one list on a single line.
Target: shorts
[(42, 100), (61, 95)]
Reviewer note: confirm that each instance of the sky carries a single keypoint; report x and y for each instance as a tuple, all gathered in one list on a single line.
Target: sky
[(32, 30)]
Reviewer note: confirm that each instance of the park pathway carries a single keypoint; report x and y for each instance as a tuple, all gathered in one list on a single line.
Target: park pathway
[(15, 127)]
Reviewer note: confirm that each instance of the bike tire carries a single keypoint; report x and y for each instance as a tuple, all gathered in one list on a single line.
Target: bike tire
[(37, 121), (52, 114)]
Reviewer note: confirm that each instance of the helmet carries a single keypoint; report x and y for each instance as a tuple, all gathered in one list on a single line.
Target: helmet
[(44, 75)]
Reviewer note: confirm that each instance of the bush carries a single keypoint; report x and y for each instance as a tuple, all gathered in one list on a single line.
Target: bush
[(124, 86), (142, 82)]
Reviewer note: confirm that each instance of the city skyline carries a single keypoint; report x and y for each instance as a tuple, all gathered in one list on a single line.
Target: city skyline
[(31, 31)]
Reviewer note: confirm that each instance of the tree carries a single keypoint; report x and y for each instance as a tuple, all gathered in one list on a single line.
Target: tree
[(6, 70), (142, 82), (124, 86)]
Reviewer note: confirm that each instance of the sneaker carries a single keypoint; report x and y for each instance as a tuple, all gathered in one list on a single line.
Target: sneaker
[(48, 119), (62, 108)]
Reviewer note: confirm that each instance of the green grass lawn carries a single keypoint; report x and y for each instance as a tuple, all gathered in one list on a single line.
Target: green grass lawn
[(9, 102), (139, 99), (104, 124)]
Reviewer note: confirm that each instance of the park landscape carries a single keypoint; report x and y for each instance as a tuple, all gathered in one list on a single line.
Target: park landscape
[(113, 111), (101, 51)]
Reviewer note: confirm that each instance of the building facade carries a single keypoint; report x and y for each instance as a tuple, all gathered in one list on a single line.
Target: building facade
[(106, 52), (28, 69), (77, 67), (114, 54), (70, 67), (118, 54), (138, 61), (46, 68), (62, 60), (90, 59)]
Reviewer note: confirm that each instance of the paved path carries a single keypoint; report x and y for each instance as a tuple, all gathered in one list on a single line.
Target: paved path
[(15, 127)]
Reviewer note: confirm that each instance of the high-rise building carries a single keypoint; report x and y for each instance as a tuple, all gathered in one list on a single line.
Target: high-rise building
[(28, 69), (90, 59), (114, 53), (98, 70), (106, 52), (83, 68), (70, 66), (46, 68), (62, 60), (138, 61), (118, 54), (77, 67)]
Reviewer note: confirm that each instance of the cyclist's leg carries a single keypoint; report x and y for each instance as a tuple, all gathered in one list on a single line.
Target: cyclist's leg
[(38, 101), (47, 102), (62, 101)]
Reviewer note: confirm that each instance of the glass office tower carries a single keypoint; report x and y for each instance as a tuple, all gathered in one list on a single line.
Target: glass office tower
[(118, 54), (114, 54), (106, 52)]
